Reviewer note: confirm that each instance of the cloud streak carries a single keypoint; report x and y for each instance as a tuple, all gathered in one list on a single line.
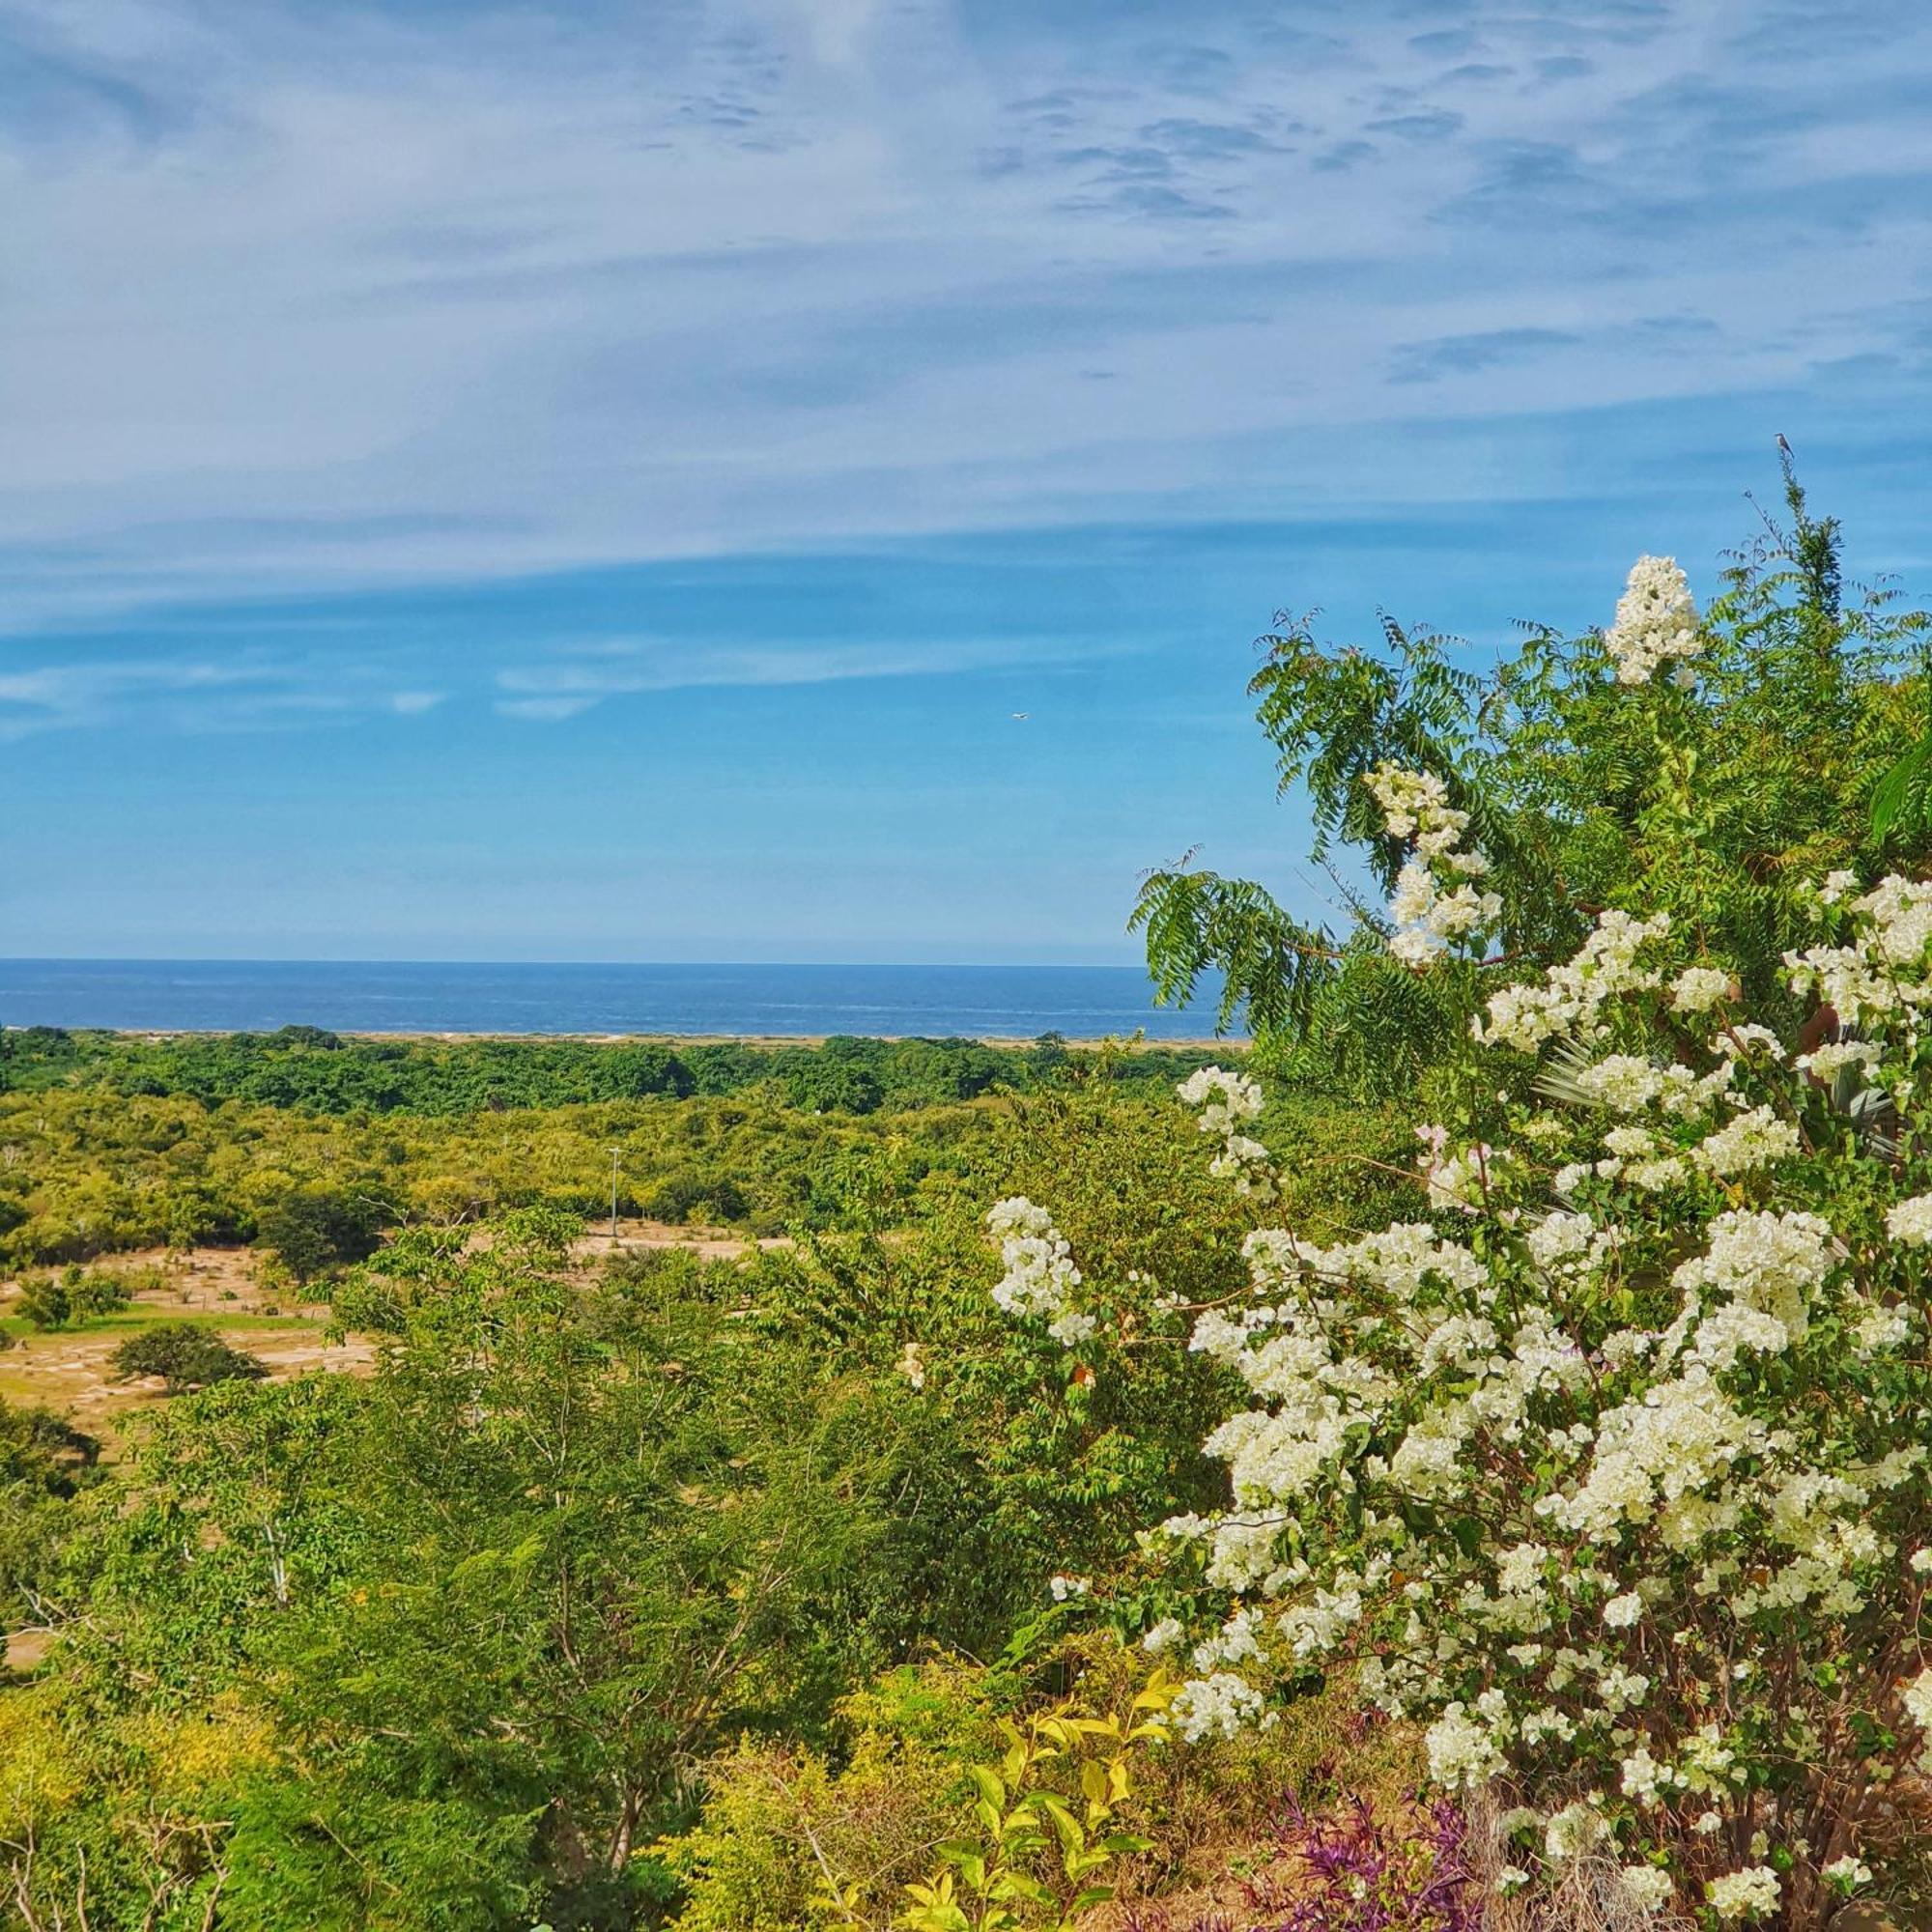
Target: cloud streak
[(307, 299)]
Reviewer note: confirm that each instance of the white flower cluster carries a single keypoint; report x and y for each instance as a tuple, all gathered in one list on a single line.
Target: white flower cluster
[(1698, 988), (1645, 1887), (1560, 1480), (1878, 974), (1227, 1103), (1462, 1751), (1656, 621), (1917, 1697), (1435, 903), (1220, 1705), (1743, 1895), (1846, 1875), (1040, 1276), (1572, 995), (1567, 1479)]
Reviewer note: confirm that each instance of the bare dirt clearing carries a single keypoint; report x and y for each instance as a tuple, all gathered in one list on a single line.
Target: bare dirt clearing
[(72, 1370)]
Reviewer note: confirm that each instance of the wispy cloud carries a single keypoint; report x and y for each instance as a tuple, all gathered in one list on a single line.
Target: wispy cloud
[(68, 694), (249, 691), (308, 299), (575, 677)]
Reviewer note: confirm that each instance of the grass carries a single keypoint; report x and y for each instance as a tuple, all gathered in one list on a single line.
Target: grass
[(145, 1315)]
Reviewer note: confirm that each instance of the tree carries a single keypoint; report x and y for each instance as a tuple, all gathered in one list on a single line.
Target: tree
[(185, 1356), (641, 1070), (313, 1233)]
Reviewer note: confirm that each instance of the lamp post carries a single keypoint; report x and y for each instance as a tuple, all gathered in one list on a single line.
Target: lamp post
[(614, 1152)]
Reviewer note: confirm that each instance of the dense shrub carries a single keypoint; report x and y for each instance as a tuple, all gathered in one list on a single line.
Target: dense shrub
[(313, 1233), (780, 1819), (73, 1295), (185, 1356)]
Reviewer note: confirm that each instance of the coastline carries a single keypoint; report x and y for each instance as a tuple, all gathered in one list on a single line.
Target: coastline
[(445, 1037), (770, 1005)]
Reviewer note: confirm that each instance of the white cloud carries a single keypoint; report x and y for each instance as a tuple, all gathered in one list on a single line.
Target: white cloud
[(303, 299), (572, 678), (543, 710)]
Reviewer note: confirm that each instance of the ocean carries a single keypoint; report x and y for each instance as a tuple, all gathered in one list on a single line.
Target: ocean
[(234, 995)]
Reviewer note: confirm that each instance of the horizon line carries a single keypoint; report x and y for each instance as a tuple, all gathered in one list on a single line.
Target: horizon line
[(758, 965)]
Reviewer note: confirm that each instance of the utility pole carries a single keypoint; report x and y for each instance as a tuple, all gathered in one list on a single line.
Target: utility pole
[(614, 1152)]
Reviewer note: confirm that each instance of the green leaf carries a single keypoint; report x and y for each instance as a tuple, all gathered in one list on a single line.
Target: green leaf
[(1892, 792)]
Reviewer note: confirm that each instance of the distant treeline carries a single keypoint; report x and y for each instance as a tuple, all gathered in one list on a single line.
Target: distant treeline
[(317, 1071)]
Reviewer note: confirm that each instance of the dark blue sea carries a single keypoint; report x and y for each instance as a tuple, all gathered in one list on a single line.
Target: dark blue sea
[(226, 996)]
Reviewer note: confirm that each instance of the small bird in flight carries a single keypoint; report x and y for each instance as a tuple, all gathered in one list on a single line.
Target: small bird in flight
[(1022, 716)]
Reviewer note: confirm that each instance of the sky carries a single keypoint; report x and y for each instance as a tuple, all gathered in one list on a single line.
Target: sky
[(598, 480)]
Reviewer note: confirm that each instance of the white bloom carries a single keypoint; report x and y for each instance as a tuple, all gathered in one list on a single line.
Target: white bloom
[(1656, 621), (1750, 1893), (1644, 1779), (1646, 1888), (1461, 1753), (1829, 1061), (1224, 1097), (1847, 1874), (1663, 1445), (1573, 1831), (1041, 1275), (1916, 1696), (1621, 1612), (1910, 1222), (1164, 1636), (1215, 1707), (1753, 1139), (1572, 995), (1561, 1236), (1434, 905), (1411, 801), (1226, 1100), (1877, 1327), (1770, 1263), (1623, 1081), (1698, 988), (912, 1365)]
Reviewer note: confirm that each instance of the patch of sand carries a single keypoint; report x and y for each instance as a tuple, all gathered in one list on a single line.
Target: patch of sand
[(713, 1245), (71, 1370)]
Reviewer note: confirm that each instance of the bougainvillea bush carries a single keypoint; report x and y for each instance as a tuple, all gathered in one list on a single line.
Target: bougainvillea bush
[(1609, 1463), (1611, 1468)]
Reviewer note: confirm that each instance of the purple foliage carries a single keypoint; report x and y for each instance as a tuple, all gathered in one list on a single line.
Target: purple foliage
[(1347, 1871)]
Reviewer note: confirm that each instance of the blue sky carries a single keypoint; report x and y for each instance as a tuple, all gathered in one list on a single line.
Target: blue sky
[(595, 480)]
